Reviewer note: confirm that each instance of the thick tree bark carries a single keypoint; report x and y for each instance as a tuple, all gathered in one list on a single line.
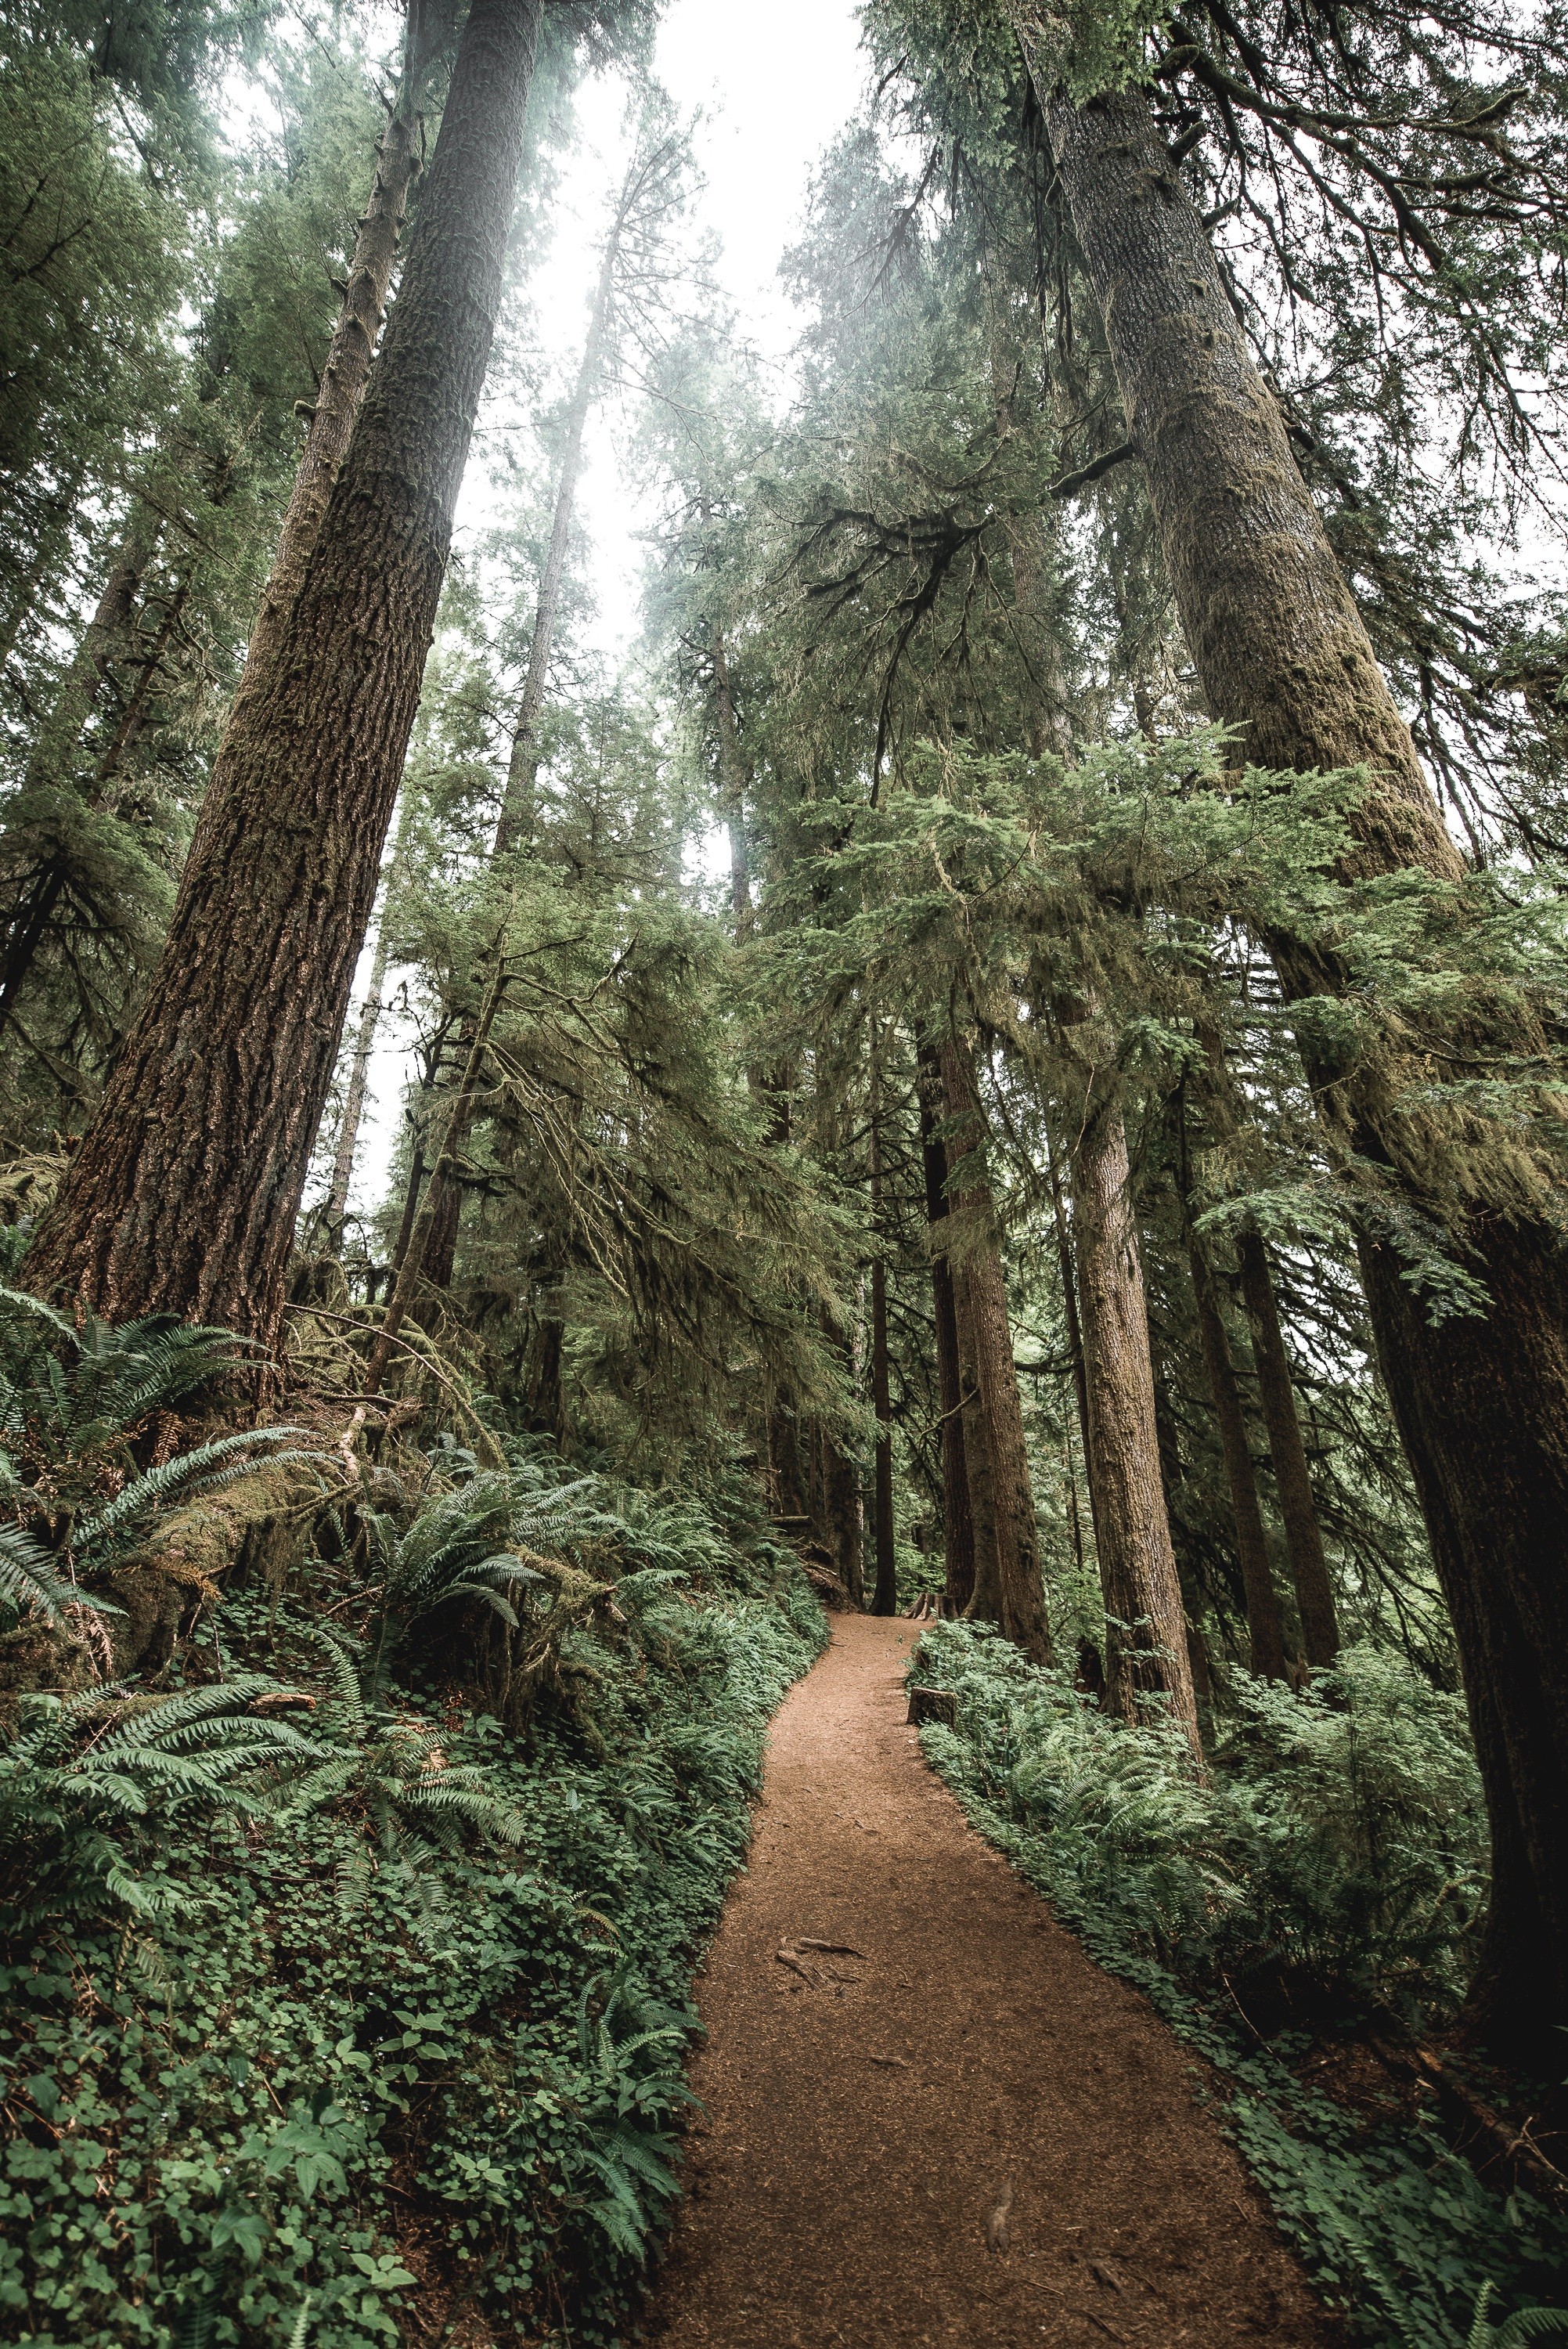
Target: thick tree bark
[(183, 1194), (1265, 1633), (957, 1517), (1022, 1610), (1299, 1510), (1146, 1631), (1481, 1402), (884, 1596), (349, 354)]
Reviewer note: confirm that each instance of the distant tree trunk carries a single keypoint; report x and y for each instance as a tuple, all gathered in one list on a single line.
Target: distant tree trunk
[(1022, 1595), (350, 352), (183, 1194), (1146, 1636), (132, 721), (844, 1514), (409, 1271), (1265, 1633), (983, 1604), (732, 768), (957, 1516), (1480, 1401), (51, 763), (105, 643), (1073, 1321), (518, 813), (1303, 1534), (546, 1401), (885, 1598)]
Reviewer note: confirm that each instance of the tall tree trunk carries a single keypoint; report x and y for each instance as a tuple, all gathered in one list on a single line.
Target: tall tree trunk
[(183, 1194), (517, 810), (1265, 1633), (1022, 1611), (105, 643), (409, 1270), (1299, 1510), (884, 1596), (957, 1516), (515, 825), (1146, 1631), (349, 354), (1480, 1401), (1071, 1317), (732, 769), (844, 1514)]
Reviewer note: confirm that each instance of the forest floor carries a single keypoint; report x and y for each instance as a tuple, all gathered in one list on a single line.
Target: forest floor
[(949, 2127)]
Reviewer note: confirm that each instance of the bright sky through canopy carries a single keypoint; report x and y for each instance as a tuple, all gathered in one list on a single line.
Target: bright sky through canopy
[(774, 87)]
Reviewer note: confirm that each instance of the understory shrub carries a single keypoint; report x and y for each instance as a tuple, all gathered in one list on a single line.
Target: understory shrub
[(1331, 1868), (333, 2008)]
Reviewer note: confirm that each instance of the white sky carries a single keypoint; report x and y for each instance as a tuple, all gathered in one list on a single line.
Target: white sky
[(775, 87)]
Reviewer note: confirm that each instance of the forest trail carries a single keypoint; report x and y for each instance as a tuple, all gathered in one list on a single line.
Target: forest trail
[(968, 2135)]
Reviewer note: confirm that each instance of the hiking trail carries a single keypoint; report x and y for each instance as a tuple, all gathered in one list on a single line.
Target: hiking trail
[(929, 2117)]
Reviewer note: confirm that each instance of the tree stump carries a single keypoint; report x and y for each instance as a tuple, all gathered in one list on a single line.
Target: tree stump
[(934, 1704)]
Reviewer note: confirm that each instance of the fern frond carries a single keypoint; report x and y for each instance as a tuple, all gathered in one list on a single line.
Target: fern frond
[(187, 1475), (27, 1576)]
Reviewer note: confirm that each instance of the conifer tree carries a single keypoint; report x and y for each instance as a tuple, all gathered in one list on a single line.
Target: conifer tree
[(189, 1208)]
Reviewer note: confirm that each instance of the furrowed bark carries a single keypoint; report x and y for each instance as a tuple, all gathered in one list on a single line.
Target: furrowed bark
[(1146, 1632), (1022, 1607), (957, 1518), (1298, 1509), (349, 354), (183, 1194), (1480, 1401)]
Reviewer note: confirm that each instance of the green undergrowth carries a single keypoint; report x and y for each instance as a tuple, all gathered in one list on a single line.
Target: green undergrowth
[(365, 2018), (1330, 1871)]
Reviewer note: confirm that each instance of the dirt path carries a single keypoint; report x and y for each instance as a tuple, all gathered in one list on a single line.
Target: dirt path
[(865, 2130)]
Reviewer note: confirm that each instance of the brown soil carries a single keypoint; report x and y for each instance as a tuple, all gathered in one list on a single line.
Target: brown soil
[(966, 2134)]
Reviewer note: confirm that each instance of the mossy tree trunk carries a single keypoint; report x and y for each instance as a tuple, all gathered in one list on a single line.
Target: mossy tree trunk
[(183, 1195), (1480, 1401), (1146, 1629)]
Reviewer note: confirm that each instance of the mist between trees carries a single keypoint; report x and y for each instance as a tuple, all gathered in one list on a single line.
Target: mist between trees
[(1092, 1167)]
